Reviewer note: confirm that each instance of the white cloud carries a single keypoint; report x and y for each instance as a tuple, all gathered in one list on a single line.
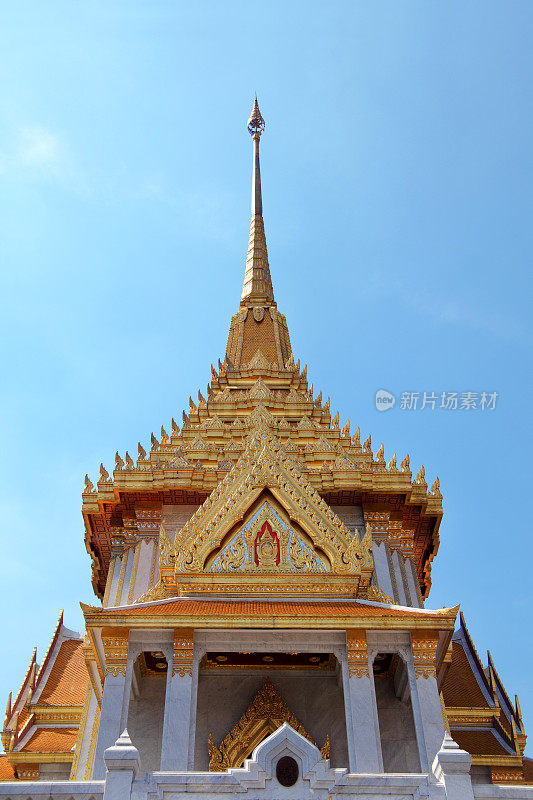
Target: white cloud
[(38, 147), (450, 310)]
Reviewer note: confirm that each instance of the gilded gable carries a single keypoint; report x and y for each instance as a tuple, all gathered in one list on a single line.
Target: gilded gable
[(266, 543), (265, 519)]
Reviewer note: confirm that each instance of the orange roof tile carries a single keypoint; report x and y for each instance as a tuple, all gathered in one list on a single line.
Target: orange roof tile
[(527, 766), (6, 770), (23, 718), (479, 743), (52, 740), (280, 608), (460, 687), (67, 683)]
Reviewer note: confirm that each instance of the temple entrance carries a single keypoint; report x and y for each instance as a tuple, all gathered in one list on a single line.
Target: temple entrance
[(240, 704), (399, 747), (147, 707)]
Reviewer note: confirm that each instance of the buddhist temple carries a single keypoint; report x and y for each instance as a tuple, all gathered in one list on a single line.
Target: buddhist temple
[(263, 627)]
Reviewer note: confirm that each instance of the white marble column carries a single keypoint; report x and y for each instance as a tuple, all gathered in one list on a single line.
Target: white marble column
[(425, 698), (362, 727), (110, 719), (116, 696), (431, 714), (178, 702)]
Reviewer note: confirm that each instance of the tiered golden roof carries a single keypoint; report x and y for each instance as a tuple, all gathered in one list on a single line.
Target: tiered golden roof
[(259, 386)]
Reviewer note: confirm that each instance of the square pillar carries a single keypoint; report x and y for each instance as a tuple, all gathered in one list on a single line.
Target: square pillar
[(452, 768), (425, 694), (178, 704), (362, 720), (115, 696)]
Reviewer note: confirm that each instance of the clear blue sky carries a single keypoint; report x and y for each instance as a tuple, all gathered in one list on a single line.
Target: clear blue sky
[(397, 188)]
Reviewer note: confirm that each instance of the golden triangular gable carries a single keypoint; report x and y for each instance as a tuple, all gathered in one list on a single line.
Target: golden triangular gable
[(265, 469), (266, 713)]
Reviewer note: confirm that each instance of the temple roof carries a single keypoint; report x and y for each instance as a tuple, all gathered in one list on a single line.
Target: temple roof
[(270, 614), (259, 383), (7, 773), (490, 729), (67, 681), (480, 742), (461, 686), (45, 715), (52, 740)]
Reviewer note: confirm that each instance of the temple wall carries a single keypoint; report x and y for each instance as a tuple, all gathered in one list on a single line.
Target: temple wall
[(396, 575), (131, 573), (54, 772), (175, 516), (401, 591), (112, 581), (85, 744), (316, 700), (141, 579), (414, 586), (145, 720), (396, 726), (352, 516), (381, 566)]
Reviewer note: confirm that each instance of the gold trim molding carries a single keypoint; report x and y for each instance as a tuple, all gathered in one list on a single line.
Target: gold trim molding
[(182, 652), (357, 654), (424, 655)]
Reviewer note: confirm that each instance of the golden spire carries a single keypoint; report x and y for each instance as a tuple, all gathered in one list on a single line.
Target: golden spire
[(257, 288)]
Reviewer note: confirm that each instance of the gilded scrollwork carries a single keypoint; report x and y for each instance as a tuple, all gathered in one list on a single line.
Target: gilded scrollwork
[(166, 547), (266, 713), (267, 544), (265, 465), (424, 655), (182, 652), (356, 647), (116, 653)]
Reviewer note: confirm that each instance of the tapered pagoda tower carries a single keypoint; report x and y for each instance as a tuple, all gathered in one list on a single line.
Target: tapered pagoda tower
[(262, 631)]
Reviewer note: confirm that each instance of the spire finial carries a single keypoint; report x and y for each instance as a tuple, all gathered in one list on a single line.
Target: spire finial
[(256, 123), (257, 287)]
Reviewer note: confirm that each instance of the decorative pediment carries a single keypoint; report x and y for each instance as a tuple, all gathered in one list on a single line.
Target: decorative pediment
[(266, 543), (266, 713), (198, 444), (259, 391), (294, 396), (180, 463), (261, 416), (289, 447), (212, 422), (265, 517), (343, 462), (259, 361), (307, 424), (225, 395)]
